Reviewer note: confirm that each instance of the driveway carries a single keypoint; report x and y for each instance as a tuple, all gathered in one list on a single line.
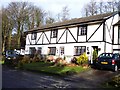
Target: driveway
[(12, 78)]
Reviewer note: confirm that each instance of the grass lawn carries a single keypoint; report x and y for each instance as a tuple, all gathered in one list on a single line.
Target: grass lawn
[(50, 68)]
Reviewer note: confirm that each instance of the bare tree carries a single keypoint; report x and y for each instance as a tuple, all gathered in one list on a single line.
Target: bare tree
[(49, 18), (65, 13), (90, 8), (94, 7), (119, 6)]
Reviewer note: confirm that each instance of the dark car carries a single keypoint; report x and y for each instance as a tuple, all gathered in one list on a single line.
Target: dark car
[(108, 61), (11, 56)]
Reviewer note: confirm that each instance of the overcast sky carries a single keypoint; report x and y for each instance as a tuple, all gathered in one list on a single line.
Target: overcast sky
[(55, 6)]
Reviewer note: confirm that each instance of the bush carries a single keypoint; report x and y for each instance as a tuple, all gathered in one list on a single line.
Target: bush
[(95, 55), (74, 60), (82, 59), (60, 62), (26, 59)]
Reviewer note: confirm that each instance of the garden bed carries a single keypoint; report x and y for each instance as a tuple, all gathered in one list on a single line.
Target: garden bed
[(48, 67)]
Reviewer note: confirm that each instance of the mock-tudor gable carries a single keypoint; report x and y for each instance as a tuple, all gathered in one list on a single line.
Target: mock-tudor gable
[(76, 36)]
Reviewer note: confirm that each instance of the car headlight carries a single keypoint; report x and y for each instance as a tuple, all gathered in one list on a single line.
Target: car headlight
[(8, 58)]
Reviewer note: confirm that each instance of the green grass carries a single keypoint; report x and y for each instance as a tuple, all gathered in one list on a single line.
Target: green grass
[(50, 68), (1, 62)]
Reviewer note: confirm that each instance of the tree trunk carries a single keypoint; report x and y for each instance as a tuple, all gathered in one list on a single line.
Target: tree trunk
[(18, 36)]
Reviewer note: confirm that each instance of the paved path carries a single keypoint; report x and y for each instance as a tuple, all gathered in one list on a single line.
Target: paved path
[(12, 78)]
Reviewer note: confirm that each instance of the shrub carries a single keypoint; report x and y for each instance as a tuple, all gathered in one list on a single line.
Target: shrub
[(82, 59), (74, 60), (60, 62), (94, 56), (26, 59)]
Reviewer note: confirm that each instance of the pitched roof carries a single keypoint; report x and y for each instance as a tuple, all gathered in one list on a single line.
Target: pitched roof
[(82, 20)]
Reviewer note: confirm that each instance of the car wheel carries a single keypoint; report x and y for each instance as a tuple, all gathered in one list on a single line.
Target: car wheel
[(115, 68)]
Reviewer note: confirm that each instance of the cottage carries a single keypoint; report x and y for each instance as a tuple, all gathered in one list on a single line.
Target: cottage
[(74, 37)]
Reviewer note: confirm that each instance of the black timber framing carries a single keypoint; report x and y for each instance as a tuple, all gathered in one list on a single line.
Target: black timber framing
[(77, 32), (110, 28), (69, 43), (46, 37), (29, 40), (95, 31), (50, 35), (66, 34), (116, 49), (39, 38), (104, 32), (61, 35), (42, 38), (72, 35), (113, 35), (86, 32)]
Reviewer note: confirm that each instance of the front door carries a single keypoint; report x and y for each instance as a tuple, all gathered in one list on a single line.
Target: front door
[(62, 51)]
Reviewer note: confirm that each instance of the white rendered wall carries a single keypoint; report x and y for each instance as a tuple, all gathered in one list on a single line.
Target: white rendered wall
[(98, 36), (115, 35)]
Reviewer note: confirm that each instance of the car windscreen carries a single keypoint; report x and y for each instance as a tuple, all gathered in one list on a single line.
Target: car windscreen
[(11, 53), (106, 55)]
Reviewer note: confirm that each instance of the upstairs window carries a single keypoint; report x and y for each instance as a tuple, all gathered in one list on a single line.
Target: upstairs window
[(54, 33), (79, 50), (82, 30), (34, 36), (52, 50)]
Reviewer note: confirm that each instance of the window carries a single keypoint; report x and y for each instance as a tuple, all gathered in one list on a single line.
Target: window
[(52, 50), (79, 50), (32, 50), (82, 30), (54, 33), (39, 50), (61, 50), (34, 36)]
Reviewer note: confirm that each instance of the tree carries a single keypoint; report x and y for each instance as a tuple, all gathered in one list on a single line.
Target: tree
[(49, 18), (7, 26), (119, 6), (90, 9), (95, 55), (94, 7), (65, 13), (24, 16)]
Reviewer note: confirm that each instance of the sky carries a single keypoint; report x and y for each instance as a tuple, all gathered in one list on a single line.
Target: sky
[(55, 6)]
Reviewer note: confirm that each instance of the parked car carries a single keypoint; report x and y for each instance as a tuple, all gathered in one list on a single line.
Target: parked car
[(11, 56), (108, 61)]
